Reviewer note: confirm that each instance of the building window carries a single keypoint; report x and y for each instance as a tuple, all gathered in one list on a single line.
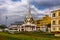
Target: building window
[(54, 28), (15, 29), (54, 22), (59, 28), (53, 15), (59, 13), (59, 22), (38, 22), (22, 27)]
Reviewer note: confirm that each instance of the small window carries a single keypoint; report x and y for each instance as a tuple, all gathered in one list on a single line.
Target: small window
[(59, 22), (59, 28), (59, 13), (53, 15), (54, 22), (38, 22), (54, 28), (15, 29), (22, 27)]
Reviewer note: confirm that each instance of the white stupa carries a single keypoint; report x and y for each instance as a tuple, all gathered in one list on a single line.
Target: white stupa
[(28, 22)]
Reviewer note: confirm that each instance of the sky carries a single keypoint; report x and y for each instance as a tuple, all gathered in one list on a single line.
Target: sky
[(16, 10)]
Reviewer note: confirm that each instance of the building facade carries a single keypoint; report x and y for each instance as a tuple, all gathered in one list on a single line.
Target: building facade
[(23, 27), (55, 21)]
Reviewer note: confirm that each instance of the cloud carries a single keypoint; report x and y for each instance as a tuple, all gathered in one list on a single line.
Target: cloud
[(16, 0), (46, 3), (16, 11), (12, 9)]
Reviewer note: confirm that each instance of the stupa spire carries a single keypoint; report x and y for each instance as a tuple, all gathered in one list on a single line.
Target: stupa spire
[(29, 18), (29, 9)]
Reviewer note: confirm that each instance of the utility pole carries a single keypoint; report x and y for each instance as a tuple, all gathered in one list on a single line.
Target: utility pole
[(6, 20)]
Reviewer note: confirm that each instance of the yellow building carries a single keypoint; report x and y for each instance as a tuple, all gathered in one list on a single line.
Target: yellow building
[(37, 22), (43, 21), (55, 21)]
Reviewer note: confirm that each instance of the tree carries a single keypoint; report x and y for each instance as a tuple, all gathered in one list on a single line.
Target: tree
[(49, 25), (3, 26)]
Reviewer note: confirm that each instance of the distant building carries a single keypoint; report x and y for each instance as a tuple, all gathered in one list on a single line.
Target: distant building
[(55, 21), (15, 26), (44, 24), (1, 30)]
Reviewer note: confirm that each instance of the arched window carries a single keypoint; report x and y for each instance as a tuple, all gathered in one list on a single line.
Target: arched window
[(59, 14), (53, 15), (22, 27), (59, 28), (54, 28), (54, 22), (59, 22)]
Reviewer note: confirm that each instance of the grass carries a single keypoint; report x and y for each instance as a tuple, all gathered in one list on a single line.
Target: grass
[(28, 36)]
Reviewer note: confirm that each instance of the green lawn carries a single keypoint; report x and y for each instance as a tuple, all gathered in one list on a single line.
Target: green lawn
[(28, 36)]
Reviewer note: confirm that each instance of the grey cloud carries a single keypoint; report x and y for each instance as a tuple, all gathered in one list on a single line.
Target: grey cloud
[(3, 10), (2, 2), (13, 13), (47, 3)]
